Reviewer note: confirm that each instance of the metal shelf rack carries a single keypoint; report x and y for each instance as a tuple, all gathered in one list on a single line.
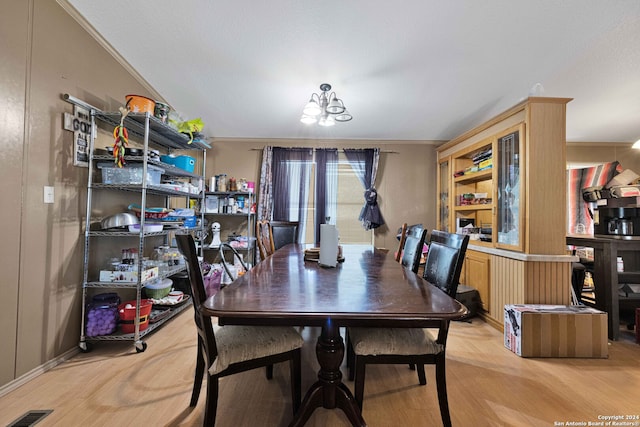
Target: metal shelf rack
[(150, 131)]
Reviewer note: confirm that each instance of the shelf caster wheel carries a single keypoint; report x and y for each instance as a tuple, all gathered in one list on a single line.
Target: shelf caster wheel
[(85, 347), (141, 346)]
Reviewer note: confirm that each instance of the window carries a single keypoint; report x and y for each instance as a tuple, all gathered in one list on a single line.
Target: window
[(345, 199)]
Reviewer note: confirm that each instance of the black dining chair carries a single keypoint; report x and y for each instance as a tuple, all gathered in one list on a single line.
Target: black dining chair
[(412, 252), (415, 346), (283, 233), (231, 349)]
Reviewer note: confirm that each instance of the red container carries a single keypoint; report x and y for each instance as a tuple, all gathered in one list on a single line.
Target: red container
[(127, 312)]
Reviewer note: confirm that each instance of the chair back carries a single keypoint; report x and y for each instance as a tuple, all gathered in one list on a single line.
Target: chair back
[(187, 247), (402, 235), (264, 238), (413, 249), (444, 261), (450, 239), (283, 233)]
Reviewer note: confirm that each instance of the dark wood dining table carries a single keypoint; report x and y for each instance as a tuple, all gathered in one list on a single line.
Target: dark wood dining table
[(368, 289)]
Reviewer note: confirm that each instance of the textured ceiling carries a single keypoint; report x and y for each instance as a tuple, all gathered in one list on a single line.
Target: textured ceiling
[(406, 70)]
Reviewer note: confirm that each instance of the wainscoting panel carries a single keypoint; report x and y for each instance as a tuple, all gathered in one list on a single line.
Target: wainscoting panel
[(522, 282)]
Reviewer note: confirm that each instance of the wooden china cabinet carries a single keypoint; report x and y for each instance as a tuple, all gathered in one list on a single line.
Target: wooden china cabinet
[(504, 182)]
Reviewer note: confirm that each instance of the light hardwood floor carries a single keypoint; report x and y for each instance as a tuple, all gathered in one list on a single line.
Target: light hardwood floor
[(487, 384)]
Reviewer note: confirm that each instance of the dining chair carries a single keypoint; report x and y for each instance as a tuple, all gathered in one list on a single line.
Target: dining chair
[(412, 345), (283, 233), (264, 238), (231, 349), (402, 237), (412, 251)]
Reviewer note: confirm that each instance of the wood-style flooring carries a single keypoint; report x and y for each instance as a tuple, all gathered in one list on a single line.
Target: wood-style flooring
[(488, 386)]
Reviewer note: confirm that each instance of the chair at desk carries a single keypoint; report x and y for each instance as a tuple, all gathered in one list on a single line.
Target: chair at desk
[(264, 239), (412, 250), (413, 345), (283, 233), (232, 349)]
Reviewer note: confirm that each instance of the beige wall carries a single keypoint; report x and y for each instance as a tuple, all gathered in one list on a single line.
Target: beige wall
[(45, 53), (588, 154)]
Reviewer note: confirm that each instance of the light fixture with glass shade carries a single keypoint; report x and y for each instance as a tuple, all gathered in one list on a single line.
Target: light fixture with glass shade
[(325, 108), (636, 144)]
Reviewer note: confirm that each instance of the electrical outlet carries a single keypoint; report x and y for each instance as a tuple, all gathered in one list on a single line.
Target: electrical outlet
[(48, 194)]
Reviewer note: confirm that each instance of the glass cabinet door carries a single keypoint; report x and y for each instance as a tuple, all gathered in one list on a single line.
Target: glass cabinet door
[(509, 188), (444, 177)]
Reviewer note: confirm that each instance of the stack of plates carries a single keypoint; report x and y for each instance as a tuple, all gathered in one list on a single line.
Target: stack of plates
[(312, 254)]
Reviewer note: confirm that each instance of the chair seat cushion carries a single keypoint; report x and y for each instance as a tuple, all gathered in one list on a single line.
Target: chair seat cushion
[(405, 341), (240, 343)]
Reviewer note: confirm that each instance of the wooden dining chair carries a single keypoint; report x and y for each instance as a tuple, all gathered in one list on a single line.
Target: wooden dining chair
[(283, 233), (412, 251), (412, 345), (231, 349), (403, 236), (264, 238)]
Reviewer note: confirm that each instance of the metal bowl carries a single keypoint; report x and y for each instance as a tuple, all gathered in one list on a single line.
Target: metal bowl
[(119, 220)]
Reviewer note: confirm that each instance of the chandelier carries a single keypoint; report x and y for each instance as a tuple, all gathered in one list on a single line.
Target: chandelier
[(325, 108)]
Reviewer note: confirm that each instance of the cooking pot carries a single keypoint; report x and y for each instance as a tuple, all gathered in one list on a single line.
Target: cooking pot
[(119, 220), (140, 104)]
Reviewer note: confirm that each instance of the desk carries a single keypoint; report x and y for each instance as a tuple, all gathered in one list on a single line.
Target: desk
[(368, 289), (605, 273)]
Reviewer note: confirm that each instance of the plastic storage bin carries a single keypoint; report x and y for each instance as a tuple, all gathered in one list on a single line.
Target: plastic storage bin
[(128, 314), (185, 162), (129, 174), (102, 315)]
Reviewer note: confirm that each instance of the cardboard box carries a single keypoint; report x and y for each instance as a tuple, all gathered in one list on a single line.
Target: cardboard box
[(555, 331)]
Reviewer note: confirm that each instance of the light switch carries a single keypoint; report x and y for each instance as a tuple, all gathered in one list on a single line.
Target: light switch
[(48, 194)]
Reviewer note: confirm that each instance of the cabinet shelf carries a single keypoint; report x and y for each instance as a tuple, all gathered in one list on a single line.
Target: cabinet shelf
[(483, 207), (474, 177)]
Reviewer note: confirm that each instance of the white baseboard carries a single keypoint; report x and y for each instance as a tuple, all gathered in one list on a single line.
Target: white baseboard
[(35, 372)]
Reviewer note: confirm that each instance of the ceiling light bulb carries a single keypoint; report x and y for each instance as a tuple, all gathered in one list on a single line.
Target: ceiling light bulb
[(307, 119), (312, 108), (326, 121)]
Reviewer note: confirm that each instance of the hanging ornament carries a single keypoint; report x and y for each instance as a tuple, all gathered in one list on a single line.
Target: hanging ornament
[(121, 140)]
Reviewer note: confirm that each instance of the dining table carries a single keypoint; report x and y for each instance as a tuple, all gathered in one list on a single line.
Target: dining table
[(367, 289)]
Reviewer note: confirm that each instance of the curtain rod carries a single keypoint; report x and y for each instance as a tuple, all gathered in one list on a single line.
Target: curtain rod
[(339, 149)]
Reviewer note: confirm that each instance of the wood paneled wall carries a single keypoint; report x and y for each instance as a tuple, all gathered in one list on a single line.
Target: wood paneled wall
[(527, 282)]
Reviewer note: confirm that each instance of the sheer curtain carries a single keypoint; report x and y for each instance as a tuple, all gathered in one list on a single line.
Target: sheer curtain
[(326, 194), (291, 180), (364, 163)]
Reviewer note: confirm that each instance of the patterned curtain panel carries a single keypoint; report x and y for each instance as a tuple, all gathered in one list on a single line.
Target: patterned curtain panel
[(265, 196), (579, 216)]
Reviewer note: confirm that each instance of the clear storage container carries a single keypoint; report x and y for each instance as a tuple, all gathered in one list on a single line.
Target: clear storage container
[(129, 174)]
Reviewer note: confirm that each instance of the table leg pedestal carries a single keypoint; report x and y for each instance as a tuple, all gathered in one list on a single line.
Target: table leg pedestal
[(329, 392)]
